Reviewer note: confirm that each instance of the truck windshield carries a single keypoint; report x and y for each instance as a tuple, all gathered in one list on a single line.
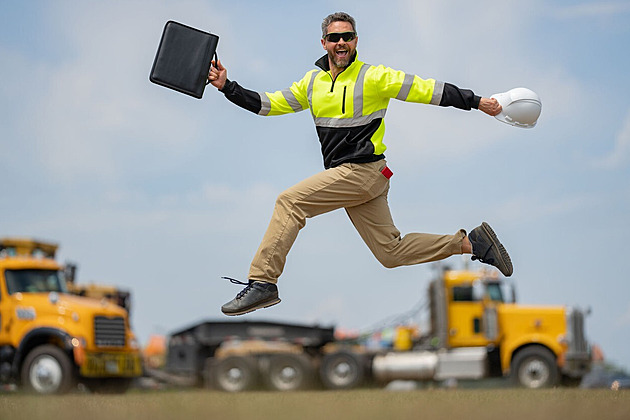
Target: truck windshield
[(34, 281)]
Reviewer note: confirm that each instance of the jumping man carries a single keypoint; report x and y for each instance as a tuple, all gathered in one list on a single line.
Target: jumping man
[(348, 100)]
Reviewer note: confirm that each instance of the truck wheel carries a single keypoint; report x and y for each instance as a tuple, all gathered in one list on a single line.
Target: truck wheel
[(234, 374), (534, 367), (342, 370), (48, 370), (289, 372)]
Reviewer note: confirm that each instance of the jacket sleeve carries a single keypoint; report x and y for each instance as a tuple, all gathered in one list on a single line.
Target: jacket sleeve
[(458, 98), (292, 99), (411, 88), (242, 97)]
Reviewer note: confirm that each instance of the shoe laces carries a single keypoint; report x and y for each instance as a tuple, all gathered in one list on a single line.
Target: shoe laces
[(243, 292)]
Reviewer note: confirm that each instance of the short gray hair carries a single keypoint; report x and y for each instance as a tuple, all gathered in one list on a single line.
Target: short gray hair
[(337, 17)]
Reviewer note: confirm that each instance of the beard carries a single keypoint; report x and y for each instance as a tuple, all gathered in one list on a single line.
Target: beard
[(340, 62)]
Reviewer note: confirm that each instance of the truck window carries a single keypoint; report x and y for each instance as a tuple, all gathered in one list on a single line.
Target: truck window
[(495, 293), (34, 281), (463, 294), (475, 293)]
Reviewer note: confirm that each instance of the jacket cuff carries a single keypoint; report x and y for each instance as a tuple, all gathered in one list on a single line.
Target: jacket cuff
[(227, 87), (475, 102)]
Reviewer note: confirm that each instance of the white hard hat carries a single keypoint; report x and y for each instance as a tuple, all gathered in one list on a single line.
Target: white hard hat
[(521, 107)]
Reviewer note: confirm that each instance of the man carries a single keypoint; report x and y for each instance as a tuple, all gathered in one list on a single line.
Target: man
[(348, 99)]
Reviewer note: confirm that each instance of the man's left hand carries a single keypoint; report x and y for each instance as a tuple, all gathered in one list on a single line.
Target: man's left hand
[(490, 106)]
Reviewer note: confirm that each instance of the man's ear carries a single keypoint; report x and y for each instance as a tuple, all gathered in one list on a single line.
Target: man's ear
[(323, 43)]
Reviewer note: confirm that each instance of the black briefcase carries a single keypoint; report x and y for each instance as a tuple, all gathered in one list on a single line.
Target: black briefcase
[(182, 61)]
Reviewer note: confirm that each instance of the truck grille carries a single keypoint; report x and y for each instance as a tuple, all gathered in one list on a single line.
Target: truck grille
[(109, 332), (577, 340)]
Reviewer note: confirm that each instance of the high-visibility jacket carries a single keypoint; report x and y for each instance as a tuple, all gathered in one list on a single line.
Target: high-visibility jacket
[(349, 110)]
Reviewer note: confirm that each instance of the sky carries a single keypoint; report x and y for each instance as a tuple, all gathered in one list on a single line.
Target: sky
[(162, 194)]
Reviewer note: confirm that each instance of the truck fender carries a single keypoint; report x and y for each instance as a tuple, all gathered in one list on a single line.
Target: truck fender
[(37, 337), (510, 348), (534, 366)]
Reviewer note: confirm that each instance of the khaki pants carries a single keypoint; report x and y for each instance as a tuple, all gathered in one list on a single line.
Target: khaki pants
[(362, 190)]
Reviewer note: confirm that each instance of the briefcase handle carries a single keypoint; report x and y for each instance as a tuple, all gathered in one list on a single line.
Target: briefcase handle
[(216, 60)]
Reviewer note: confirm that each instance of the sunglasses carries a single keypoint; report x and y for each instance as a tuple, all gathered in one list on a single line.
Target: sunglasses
[(336, 36)]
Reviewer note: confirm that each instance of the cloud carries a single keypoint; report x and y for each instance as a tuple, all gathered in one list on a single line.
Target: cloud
[(491, 51), (210, 209), (94, 114), (527, 208), (328, 309), (621, 150), (624, 320), (590, 10)]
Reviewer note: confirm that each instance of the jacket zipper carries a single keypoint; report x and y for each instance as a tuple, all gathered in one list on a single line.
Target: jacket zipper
[(332, 87)]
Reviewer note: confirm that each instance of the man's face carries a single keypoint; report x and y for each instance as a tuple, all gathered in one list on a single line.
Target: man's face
[(340, 53)]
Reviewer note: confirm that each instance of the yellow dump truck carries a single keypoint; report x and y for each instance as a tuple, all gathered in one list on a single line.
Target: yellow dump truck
[(51, 340)]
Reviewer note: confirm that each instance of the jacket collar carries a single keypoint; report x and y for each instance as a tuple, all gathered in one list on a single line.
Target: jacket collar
[(322, 63)]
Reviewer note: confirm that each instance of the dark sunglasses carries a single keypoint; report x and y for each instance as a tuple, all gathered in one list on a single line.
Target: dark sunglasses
[(336, 36)]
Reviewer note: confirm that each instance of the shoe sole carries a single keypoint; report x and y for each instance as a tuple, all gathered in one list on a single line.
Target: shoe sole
[(505, 264), (261, 305)]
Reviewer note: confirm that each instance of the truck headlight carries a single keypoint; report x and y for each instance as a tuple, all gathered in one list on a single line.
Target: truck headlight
[(133, 343), (78, 342)]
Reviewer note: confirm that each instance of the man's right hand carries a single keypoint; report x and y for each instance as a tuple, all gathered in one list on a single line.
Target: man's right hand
[(218, 75)]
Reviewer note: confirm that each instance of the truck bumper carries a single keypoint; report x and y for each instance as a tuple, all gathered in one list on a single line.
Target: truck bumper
[(112, 365)]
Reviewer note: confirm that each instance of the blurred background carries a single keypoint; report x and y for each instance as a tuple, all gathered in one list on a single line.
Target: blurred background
[(163, 194)]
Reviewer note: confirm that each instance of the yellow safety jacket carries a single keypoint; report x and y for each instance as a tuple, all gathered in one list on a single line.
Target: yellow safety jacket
[(349, 111)]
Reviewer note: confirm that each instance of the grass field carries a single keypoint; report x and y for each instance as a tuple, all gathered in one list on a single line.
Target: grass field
[(504, 404)]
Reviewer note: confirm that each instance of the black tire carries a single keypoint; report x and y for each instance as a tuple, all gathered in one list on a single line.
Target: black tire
[(342, 370), (108, 385), (535, 367), (48, 370), (289, 372), (234, 373)]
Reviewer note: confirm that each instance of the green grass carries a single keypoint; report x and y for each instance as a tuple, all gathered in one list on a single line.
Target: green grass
[(503, 404)]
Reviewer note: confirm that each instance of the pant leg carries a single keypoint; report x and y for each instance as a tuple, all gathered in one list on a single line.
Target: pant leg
[(347, 185), (374, 223)]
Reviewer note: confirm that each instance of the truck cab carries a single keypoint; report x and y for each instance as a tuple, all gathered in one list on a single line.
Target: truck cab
[(51, 340), (535, 345)]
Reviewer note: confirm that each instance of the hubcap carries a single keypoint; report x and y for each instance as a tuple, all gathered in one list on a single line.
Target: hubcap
[(46, 374), (534, 374), (342, 373), (232, 379), (234, 374), (288, 374)]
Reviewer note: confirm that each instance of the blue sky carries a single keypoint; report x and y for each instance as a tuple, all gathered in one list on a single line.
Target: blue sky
[(161, 193)]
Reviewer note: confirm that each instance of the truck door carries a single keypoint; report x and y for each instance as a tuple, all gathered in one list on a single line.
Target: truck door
[(465, 316)]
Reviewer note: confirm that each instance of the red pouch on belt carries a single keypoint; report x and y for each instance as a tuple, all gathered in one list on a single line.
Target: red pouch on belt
[(387, 173)]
